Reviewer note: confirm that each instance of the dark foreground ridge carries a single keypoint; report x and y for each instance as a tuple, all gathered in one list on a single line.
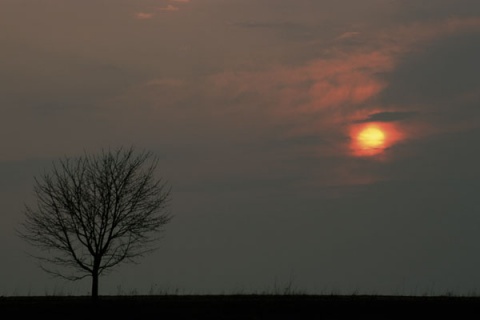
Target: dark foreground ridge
[(242, 307)]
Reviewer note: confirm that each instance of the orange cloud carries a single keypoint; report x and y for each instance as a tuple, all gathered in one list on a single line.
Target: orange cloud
[(329, 85), (144, 16)]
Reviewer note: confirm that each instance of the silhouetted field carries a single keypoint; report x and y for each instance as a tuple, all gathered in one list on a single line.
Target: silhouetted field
[(243, 307)]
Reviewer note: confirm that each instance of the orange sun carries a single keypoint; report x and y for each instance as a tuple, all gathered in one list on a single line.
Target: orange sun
[(370, 139)]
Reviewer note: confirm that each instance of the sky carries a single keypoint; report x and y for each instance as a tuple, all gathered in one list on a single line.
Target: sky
[(328, 146)]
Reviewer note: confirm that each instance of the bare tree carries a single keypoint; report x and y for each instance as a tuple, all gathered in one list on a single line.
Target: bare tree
[(94, 212)]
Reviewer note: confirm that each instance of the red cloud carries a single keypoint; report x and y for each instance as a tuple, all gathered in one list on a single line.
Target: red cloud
[(324, 85), (330, 93)]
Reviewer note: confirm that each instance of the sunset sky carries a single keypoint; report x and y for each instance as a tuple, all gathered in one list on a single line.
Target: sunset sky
[(330, 144)]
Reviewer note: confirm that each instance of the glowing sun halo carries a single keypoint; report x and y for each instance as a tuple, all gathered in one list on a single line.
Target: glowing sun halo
[(371, 137)]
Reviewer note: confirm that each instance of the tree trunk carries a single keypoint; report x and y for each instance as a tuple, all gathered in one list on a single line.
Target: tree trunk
[(95, 276), (95, 285)]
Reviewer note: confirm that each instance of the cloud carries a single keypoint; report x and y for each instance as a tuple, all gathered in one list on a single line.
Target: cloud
[(371, 80), (167, 8), (325, 90), (388, 116), (144, 15)]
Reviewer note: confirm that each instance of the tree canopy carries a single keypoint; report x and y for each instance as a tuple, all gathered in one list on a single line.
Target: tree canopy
[(96, 211)]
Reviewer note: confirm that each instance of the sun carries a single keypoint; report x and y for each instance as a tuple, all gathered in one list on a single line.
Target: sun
[(374, 139), (371, 138)]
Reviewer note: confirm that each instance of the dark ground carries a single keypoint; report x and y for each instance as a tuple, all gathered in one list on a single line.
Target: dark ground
[(243, 307)]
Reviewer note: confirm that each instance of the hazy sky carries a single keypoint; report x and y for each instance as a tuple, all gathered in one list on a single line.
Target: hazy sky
[(333, 144)]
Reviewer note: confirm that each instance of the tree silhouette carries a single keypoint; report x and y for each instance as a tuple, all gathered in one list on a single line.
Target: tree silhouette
[(94, 212)]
